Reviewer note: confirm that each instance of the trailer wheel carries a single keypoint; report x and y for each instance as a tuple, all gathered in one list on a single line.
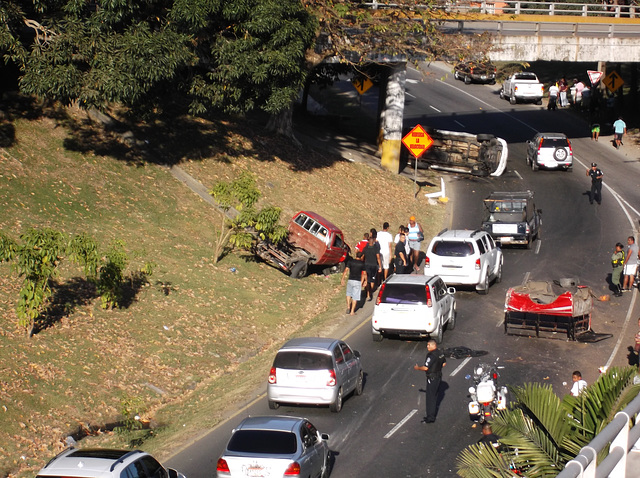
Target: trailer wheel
[(484, 137), (299, 269)]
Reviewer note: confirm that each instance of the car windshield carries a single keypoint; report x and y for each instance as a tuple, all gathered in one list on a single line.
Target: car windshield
[(268, 442), (453, 248), (526, 76), (302, 360), (506, 206), (404, 294), (554, 143)]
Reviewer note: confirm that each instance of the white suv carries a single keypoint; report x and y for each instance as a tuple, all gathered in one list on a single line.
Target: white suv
[(105, 463), (413, 306), (550, 150), (464, 257)]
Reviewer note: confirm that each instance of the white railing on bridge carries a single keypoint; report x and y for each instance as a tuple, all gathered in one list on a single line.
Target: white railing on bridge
[(620, 436), (608, 8)]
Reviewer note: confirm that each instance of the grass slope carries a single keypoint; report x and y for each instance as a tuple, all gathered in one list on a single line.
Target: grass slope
[(198, 338)]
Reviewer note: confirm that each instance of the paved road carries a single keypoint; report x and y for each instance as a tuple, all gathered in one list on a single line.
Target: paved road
[(379, 433)]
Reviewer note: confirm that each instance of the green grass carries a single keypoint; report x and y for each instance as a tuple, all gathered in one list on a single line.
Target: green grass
[(198, 332)]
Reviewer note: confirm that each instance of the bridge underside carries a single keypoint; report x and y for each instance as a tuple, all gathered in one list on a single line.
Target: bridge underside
[(551, 48)]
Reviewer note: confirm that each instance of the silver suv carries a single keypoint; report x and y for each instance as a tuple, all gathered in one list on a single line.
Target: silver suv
[(106, 463), (551, 151), (465, 257), (413, 306)]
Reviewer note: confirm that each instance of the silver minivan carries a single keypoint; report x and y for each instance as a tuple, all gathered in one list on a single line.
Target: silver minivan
[(316, 371), (413, 306)]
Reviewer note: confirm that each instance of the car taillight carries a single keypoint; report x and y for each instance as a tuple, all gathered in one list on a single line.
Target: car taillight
[(428, 289), (293, 469), (427, 262), (478, 264), (528, 229), (222, 466), (272, 375), (570, 148), (495, 376), (540, 145), (471, 71), (515, 89), (332, 378), (379, 298)]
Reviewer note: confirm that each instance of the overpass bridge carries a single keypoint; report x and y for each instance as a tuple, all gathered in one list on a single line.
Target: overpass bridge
[(530, 31)]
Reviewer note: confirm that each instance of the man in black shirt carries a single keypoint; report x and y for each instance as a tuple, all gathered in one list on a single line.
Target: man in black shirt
[(401, 255), (596, 183), (357, 279), (433, 364), (372, 264)]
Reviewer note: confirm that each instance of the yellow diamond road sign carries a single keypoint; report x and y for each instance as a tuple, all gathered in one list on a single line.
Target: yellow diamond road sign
[(417, 141), (613, 81), (362, 84)]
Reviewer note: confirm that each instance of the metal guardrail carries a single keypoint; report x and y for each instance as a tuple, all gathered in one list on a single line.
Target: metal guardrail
[(533, 28), (497, 7), (620, 439)]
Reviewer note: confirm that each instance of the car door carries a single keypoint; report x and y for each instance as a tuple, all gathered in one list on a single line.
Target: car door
[(310, 459), (342, 372), (492, 254), (444, 300), (352, 366)]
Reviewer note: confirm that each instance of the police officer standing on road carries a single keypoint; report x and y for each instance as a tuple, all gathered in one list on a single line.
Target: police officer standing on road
[(596, 183), (433, 364)]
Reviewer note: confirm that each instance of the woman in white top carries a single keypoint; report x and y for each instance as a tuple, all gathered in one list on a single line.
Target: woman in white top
[(416, 234)]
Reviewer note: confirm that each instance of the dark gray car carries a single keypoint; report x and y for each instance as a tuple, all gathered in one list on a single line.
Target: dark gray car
[(512, 218)]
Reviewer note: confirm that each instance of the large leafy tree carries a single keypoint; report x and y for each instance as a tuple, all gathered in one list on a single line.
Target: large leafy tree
[(540, 433)]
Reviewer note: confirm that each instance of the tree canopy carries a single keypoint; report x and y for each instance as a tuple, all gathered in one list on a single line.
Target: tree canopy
[(228, 55)]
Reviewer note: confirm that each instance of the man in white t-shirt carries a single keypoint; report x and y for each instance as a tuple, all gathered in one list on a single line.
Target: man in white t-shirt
[(578, 384), (385, 239)]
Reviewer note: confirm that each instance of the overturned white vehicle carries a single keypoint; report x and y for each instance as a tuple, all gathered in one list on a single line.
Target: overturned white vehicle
[(458, 152)]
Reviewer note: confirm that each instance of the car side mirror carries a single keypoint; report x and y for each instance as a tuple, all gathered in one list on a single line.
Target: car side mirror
[(356, 353), (324, 436), (451, 290), (539, 211), (528, 141), (172, 473)]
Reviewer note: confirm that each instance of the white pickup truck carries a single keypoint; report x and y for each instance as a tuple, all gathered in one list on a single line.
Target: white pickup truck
[(523, 86)]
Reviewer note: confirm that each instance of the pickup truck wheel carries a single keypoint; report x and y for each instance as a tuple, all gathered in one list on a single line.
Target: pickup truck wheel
[(376, 337), (484, 137), (502, 93), (273, 405), (455, 75), (513, 100), (467, 80), (299, 269), (539, 101), (492, 82), (438, 334)]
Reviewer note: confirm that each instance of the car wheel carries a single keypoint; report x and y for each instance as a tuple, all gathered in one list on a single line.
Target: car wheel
[(502, 93), (467, 80), (438, 335), (569, 169), (376, 337), (455, 75), (560, 154), (538, 234), (336, 406), (484, 137), (492, 82), (499, 274), (529, 241), (539, 101), (359, 384), (484, 286), (534, 165), (327, 464), (451, 323), (513, 100), (299, 269), (273, 405)]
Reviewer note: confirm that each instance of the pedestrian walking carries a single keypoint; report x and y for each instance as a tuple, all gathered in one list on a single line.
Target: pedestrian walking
[(617, 262), (595, 131), (362, 243), (416, 235), (372, 264), (433, 364), (385, 239), (619, 130), (356, 281), (563, 86), (630, 264), (596, 183), (553, 97), (578, 384)]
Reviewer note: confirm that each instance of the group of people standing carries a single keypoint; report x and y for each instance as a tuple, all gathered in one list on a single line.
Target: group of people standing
[(377, 254), (624, 263)]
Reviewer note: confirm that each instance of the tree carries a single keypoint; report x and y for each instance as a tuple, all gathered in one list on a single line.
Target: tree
[(540, 432), (241, 221)]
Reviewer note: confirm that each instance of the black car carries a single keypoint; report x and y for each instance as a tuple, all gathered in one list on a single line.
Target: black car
[(512, 218), (475, 71)]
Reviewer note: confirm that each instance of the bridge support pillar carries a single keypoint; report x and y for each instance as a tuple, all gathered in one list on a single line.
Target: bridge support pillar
[(390, 132)]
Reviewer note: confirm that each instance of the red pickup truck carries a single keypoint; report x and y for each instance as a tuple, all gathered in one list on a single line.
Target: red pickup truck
[(313, 240)]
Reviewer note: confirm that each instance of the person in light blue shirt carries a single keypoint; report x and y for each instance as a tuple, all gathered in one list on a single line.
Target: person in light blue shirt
[(619, 129)]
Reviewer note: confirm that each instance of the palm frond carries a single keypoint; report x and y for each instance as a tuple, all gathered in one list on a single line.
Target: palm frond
[(482, 461)]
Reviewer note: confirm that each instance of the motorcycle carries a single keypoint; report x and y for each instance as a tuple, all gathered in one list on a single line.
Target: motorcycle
[(486, 395)]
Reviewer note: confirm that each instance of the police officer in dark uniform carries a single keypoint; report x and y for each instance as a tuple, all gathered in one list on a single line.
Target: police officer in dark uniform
[(596, 183), (433, 364)]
